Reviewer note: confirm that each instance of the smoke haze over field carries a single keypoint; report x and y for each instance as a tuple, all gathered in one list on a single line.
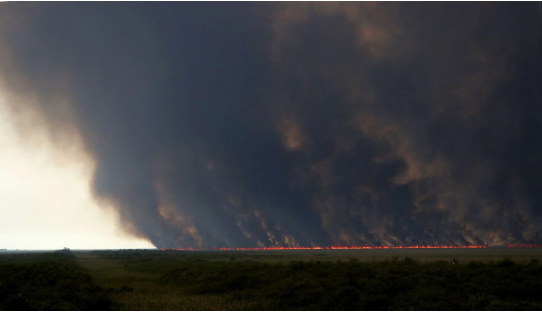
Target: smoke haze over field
[(286, 124)]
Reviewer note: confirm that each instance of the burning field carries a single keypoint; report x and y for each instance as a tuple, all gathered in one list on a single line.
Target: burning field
[(362, 247), (271, 156)]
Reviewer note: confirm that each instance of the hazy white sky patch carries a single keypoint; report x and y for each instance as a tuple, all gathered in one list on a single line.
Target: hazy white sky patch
[(45, 197)]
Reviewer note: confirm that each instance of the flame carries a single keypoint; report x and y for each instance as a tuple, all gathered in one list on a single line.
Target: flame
[(363, 247), (274, 248)]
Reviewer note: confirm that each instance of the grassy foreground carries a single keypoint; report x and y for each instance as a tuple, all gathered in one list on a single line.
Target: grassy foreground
[(156, 280), (52, 281)]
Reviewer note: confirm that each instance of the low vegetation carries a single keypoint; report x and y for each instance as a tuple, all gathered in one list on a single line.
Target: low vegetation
[(392, 285), (48, 282), (151, 281)]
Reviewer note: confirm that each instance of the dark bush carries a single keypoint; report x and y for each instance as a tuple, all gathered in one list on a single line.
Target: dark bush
[(392, 285), (55, 284)]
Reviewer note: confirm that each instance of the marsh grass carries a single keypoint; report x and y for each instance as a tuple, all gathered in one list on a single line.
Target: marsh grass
[(390, 285), (327, 280), (50, 281), (318, 281)]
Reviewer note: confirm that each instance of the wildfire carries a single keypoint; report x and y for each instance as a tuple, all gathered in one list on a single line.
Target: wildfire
[(362, 247), (275, 248), (356, 247)]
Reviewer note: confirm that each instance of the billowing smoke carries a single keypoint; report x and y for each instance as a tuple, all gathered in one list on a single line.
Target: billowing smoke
[(285, 124)]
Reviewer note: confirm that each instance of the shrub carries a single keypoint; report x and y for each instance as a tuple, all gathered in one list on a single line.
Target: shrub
[(353, 285), (57, 284)]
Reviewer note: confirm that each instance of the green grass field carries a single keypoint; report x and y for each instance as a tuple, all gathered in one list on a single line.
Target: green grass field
[(420, 279)]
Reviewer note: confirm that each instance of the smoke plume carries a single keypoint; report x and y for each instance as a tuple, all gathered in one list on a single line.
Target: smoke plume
[(294, 124)]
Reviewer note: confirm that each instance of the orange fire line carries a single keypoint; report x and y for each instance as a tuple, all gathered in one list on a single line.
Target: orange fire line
[(363, 247)]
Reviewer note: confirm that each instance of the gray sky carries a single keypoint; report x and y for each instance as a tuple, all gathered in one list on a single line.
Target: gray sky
[(45, 197)]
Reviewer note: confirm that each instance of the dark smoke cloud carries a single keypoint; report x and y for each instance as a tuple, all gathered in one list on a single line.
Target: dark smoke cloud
[(295, 123)]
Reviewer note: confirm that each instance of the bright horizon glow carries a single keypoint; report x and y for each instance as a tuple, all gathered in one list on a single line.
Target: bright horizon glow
[(45, 198)]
